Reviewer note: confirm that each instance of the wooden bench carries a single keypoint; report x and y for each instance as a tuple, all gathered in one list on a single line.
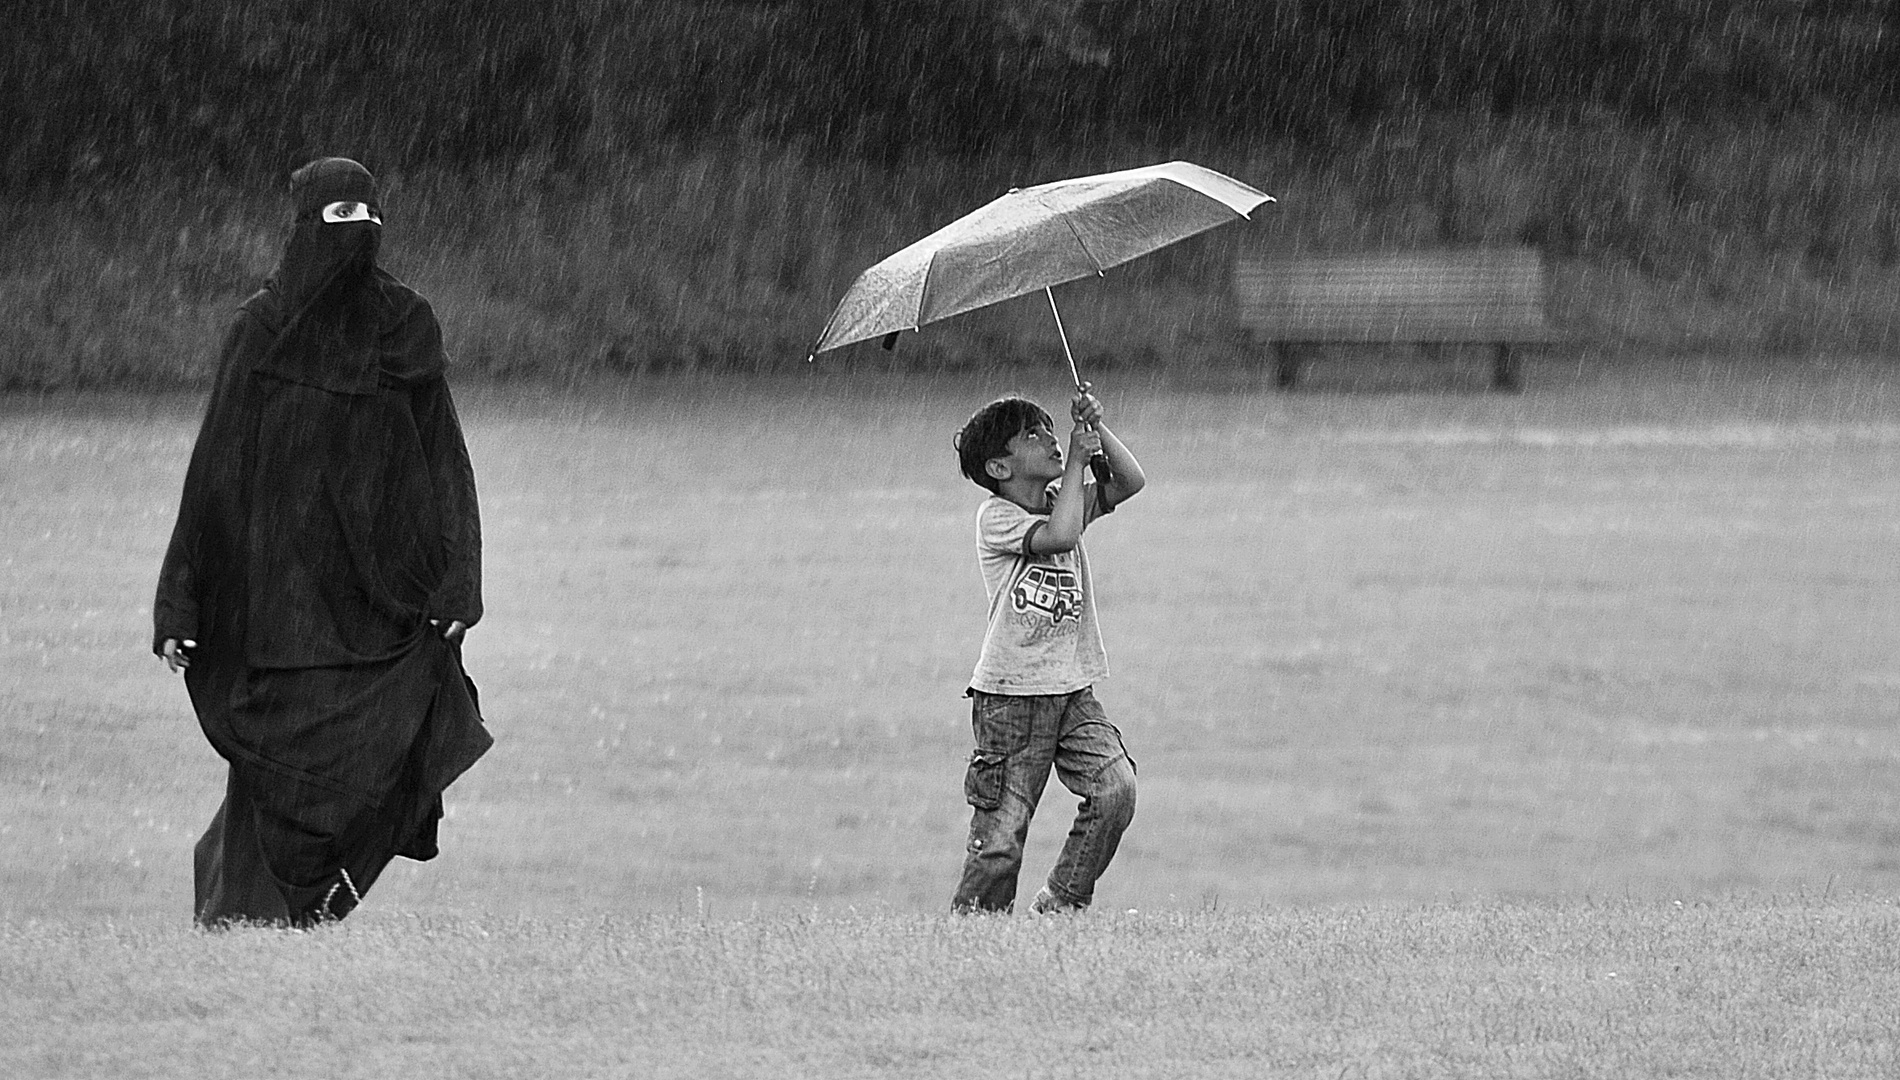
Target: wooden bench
[(1491, 296)]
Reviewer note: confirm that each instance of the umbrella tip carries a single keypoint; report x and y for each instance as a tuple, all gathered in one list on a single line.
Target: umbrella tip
[(1265, 199)]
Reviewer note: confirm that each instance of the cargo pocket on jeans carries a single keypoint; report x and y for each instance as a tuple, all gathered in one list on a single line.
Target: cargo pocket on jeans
[(983, 784)]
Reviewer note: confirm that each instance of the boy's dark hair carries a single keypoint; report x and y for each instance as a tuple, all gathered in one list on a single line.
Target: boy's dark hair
[(986, 435)]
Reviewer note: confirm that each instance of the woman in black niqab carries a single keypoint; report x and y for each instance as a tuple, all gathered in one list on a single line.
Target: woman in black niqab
[(325, 564)]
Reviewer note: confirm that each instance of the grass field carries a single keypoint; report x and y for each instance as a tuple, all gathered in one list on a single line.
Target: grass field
[(1391, 652), (1726, 991)]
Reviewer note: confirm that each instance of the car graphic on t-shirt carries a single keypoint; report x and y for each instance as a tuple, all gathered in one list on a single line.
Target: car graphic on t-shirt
[(1052, 590)]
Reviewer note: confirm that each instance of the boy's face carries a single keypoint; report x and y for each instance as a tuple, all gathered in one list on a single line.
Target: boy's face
[(1034, 454)]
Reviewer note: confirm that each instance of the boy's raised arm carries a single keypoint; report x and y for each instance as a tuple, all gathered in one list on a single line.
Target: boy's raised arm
[(1125, 477), (1066, 517)]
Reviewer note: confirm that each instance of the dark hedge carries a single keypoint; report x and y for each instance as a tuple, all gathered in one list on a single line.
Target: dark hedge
[(96, 89)]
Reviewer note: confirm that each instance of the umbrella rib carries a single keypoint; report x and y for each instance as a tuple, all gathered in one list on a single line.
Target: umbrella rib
[(813, 353), (923, 293), (1073, 231)]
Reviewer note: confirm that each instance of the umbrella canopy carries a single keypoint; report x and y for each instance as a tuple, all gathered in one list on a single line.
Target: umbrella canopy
[(1033, 238)]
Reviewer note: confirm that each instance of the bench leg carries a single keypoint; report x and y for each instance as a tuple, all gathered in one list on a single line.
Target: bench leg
[(1286, 365), (1507, 372)]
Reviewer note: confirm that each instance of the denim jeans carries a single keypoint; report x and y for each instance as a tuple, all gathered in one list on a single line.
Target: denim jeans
[(1018, 738)]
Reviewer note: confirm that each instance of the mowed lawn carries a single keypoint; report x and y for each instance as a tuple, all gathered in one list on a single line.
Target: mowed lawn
[(1721, 990), (1634, 633)]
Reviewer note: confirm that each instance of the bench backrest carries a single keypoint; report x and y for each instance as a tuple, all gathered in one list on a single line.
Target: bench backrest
[(1468, 294)]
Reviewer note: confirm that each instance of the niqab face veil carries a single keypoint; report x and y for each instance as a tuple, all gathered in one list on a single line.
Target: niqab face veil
[(327, 283)]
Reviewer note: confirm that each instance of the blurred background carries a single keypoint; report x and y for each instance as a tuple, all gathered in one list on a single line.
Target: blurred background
[(586, 186)]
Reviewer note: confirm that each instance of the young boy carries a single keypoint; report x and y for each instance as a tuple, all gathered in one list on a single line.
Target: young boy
[(1032, 703)]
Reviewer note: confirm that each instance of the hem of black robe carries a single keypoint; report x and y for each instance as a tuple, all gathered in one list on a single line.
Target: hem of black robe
[(236, 885), (278, 848)]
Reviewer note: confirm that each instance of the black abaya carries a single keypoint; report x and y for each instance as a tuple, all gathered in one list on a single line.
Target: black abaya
[(327, 532)]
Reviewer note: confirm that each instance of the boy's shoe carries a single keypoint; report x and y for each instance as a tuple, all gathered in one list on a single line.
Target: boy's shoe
[(1048, 903)]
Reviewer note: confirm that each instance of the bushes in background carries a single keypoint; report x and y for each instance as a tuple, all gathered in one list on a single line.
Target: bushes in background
[(587, 185), (728, 256), (97, 89)]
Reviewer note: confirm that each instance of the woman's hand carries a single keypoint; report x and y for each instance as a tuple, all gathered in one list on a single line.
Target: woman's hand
[(175, 653)]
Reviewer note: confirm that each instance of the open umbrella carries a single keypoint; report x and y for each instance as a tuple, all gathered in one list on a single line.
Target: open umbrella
[(1034, 238)]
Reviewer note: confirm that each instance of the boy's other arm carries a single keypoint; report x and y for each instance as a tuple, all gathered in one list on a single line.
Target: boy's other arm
[(1066, 517), (1125, 477)]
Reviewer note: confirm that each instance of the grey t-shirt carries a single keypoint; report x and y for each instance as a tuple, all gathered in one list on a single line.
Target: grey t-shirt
[(1042, 636)]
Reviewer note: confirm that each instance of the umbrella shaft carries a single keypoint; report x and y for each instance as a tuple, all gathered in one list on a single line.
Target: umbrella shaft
[(1098, 463), (1064, 335)]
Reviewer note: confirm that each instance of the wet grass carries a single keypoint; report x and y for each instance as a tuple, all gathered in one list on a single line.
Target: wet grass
[(1417, 677), (1734, 988), (1630, 633)]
